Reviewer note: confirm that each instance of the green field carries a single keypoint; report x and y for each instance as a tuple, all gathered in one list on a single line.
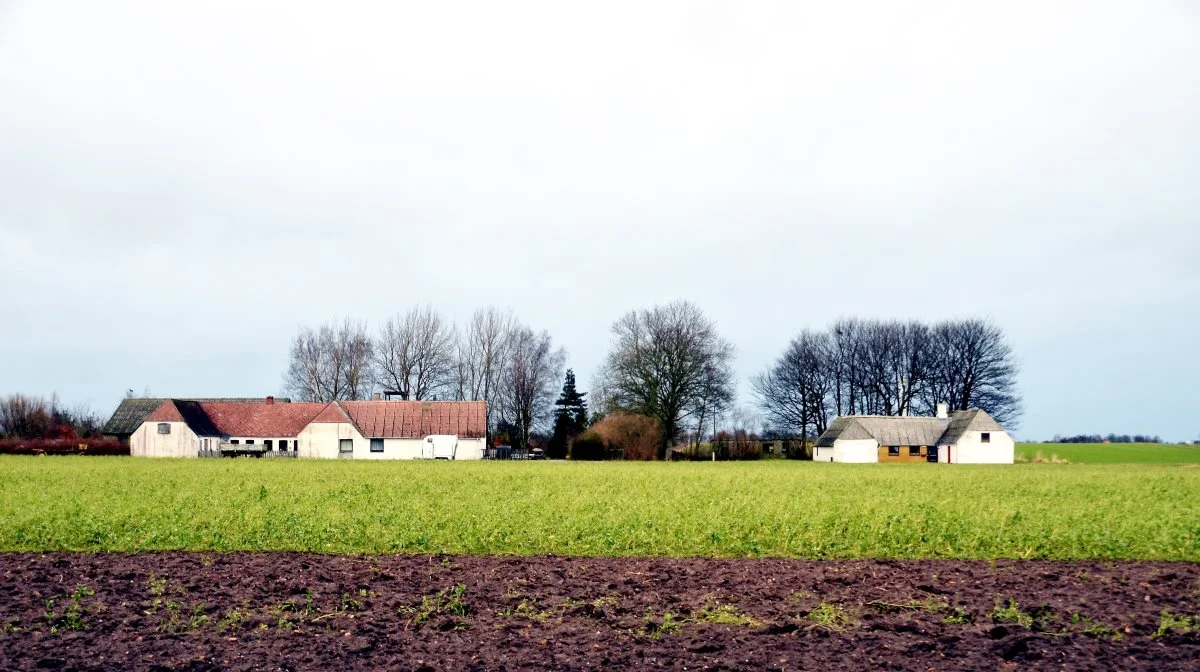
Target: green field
[(1115, 453), (774, 508)]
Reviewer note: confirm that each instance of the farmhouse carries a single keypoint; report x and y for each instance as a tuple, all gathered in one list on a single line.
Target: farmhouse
[(961, 437), (132, 412), (365, 430)]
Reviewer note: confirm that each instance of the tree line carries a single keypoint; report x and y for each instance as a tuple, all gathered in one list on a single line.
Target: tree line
[(1110, 438), (667, 363), (29, 417), (874, 367)]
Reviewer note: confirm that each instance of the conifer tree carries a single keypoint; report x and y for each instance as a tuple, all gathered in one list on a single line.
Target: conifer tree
[(570, 417)]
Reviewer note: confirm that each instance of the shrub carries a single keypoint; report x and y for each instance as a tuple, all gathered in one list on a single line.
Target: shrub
[(637, 437), (587, 446)]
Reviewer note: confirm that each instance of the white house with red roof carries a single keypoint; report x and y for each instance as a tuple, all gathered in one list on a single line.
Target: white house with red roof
[(366, 430)]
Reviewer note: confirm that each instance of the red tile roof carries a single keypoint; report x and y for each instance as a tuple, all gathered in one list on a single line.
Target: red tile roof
[(332, 413), (166, 412), (418, 419), (374, 419), (265, 420)]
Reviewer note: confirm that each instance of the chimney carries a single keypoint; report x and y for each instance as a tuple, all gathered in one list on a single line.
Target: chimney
[(377, 396), (943, 410), (270, 401)]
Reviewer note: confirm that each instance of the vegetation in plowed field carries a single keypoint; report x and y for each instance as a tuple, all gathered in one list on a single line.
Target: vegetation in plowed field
[(776, 508), (1114, 453)]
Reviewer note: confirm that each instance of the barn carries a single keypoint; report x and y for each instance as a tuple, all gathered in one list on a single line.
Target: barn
[(961, 437), (372, 430), (132, 412)]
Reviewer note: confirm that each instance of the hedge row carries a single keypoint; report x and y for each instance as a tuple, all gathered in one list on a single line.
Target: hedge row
[(62, 447)]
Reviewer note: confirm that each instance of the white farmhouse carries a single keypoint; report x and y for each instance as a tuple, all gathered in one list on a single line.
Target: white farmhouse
[(961, 437), (365, 430)]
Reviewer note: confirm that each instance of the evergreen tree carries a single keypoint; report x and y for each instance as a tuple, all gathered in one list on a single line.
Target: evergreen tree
[(570, 417)]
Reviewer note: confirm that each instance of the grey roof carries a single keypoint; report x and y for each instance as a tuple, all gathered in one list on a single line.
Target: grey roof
[(973, 420), (133, 410), (908, 430), (846, 427)]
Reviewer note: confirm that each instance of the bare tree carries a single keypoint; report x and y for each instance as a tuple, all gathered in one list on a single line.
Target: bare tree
[(716, 392), (330, 362), (973, 366), (661, 363), (25, 417), (795, 392), (526, 385), (414, 354), (482, 348)]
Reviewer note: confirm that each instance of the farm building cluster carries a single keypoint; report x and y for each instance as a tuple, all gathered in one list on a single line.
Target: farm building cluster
[(383, 429), (961, 437), (372, 430)]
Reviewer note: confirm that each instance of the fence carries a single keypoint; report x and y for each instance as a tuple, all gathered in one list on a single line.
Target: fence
[(511, 453)]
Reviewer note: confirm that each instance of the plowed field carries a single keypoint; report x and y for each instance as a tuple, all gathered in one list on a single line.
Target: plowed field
[(250, 611)]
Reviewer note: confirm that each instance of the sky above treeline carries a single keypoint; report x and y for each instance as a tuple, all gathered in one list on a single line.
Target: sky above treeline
[(183, 185)]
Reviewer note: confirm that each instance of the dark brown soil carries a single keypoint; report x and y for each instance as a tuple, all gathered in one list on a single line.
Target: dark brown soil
[(309, 612)]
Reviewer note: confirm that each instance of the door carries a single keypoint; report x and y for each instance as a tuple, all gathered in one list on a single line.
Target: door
[(931, 454), (427, 448), (345, 449)]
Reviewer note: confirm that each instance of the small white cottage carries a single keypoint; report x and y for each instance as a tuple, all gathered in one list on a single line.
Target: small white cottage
[(365, 430), (961, 437)]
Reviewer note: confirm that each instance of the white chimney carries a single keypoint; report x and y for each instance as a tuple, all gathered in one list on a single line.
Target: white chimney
[(943, 410)]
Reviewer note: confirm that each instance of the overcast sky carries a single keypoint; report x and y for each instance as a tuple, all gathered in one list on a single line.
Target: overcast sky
[(183, 185)]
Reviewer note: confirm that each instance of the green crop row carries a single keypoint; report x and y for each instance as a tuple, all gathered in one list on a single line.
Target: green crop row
[(1113, 453), (776, 508)]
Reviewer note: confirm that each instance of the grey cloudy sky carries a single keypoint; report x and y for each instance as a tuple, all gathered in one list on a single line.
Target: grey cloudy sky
[(183, 185)]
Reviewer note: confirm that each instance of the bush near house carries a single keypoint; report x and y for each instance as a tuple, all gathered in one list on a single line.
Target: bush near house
[(587, 446), (636, 437)]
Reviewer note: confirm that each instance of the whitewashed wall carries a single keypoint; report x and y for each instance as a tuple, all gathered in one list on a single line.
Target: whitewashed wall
[(970, 449), (147, 442), (321, 439), (856, 450)]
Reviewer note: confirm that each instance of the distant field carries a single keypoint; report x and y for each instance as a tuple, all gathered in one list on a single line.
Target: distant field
[(1115, 453), (777, 508)]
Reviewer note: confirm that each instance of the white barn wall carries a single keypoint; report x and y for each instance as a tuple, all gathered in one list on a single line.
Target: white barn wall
[(147, 442), (970, 449), (320, 440), (861, 451)]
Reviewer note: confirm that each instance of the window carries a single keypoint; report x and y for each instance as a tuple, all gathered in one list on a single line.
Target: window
[(283, 445), (345, 445), (249, 442), (234, 441), (893, 451), (985, 437), (376, 445), (164, 428), (914, 451), (269, 444)]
